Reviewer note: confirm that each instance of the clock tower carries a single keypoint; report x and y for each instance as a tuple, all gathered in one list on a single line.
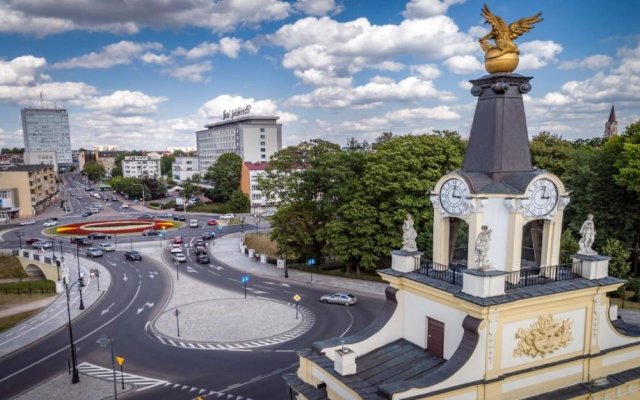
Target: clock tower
[(498, 188)]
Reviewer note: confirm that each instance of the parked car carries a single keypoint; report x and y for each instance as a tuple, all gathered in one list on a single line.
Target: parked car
[(145, 216), (28, 222), (32, 240), (202, 259), (346, 299), (93, 252), (107, 246), (41, 245), (227, 216), (98, 235), (212, 222), (178, 240), (179, 257), (86, 213), (150, 232), (209, 236), (193, 223), (176, 248), (80, 241), (123, 206), (132, 255)]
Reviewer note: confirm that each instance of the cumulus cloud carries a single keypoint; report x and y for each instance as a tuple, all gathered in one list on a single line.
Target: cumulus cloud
[(229, 46), (538, 54), (428, 8), (463, 64), (318, 77), (45, 17), (427, 72), (596, 61), (213, 108), (22, 71), (123, 52), (317, 7), (191, 73), (124, 102), (151, 58)]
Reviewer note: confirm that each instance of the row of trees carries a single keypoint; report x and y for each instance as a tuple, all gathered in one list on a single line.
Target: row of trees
[(348, 204)]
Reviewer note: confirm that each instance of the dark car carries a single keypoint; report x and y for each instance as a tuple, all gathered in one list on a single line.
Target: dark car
[(202, 259), (86, 213), (150, 232), (80, 241), (209, 236), (201, 250), (99, 235), (145, 216), (32, 240), (132, 255), (179, 218)]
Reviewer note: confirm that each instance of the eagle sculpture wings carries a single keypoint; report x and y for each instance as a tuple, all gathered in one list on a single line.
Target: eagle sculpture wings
[(504, 34)]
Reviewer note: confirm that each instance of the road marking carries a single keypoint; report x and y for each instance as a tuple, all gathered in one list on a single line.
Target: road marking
[(112, 264), (145, 306), (277, 283), (125, 277), (350, 324), (106, 310)]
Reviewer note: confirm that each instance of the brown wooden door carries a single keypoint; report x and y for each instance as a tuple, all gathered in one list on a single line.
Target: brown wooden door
[(435, 337)]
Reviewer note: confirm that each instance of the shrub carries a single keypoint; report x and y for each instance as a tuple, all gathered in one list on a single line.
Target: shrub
[(634, 285)]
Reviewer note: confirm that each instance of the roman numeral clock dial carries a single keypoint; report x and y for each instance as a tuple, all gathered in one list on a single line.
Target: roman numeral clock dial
[(453, 196), (542, 198)]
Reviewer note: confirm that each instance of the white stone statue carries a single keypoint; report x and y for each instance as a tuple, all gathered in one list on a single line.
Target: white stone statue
[(482, 248), (409, 235), (588, 232)]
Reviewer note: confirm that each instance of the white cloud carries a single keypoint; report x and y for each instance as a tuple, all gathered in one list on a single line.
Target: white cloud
[(122, 102), (317, 7), (151, 58), (596, 61), (427, 72), (318, 77), (422, 113), (371, 94), (463, 64), (389, 66), (427, 8), (229, 46), (466, 85), (192, 72), (59, 92), (45, 17), (22, 71), (538, 54), (123, 52), (213, 108)]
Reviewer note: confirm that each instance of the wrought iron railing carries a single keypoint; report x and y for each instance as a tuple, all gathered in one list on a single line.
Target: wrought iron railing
[(538, 276), (446, 273)]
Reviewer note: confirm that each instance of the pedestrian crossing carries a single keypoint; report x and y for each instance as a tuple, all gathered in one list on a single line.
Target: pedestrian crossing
[(307, 317), (142, 383)]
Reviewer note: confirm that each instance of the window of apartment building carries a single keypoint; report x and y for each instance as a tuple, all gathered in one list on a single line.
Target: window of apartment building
[(255, 197), (263, 149), (262, 136), (263, 156), (255, 187)]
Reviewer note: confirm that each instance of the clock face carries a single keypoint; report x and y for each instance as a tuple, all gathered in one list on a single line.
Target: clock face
[(453, 196), (543, 197)]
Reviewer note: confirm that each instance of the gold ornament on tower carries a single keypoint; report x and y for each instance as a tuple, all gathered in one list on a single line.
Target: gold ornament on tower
[(503, 57), (543, 337)]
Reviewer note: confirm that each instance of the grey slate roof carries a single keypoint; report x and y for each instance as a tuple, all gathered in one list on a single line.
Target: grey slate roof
[(309, 392)]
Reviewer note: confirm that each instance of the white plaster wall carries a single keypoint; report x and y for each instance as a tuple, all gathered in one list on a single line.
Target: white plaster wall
[(251, 142), (415, 326), (608, 337), (496, 217), (541, 379), (509, 341)]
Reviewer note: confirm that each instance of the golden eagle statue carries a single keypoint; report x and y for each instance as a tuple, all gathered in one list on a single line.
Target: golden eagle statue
[(503, 57)]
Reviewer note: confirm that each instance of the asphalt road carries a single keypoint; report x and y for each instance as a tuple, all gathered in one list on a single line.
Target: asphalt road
[(254, 374)]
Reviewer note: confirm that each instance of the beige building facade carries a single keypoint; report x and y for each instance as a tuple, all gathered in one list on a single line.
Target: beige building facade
[(26, 191)]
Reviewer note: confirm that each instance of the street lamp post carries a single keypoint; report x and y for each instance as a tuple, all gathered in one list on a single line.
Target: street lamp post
[(75, 377), (177, 273), (79, 278), (104, 341), (20, 234)]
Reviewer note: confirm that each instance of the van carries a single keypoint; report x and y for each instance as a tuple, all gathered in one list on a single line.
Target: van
[(193, 223)]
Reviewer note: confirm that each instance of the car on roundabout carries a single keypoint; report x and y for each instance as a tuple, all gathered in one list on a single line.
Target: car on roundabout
[(132, 255), (145, 216), (93, 252), (179, 218), (50, 223), (98, 235), (201, 250), (165, 215), (86, 214), (32, 241), (175, 248), (41, 245), (227, 216), (178, 240), (150, 232), (81, 241), (179, 257), (209, 236), (28, 222), (346, 299), (202, 259), (107, 246)]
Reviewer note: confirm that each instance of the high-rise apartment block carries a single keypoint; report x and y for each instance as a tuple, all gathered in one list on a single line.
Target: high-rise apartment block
[(253, 138), (47, 129), (184, 168), (141, 166)]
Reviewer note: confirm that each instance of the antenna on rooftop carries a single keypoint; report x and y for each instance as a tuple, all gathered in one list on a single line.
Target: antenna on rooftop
[(41, 100)]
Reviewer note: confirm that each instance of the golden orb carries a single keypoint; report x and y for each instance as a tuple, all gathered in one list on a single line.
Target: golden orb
[(505, 63)]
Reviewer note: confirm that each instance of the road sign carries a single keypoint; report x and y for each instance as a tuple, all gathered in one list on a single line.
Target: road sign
[(120, 360), (311, 261), (297, 297), (245, 278)]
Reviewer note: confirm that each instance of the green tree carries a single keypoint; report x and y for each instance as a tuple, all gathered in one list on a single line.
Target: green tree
[(628, 163), (154, 188), (224, 175), (238, 202), (619, 264), (94, 171), (551, 152), (568, 246), (165, 164)]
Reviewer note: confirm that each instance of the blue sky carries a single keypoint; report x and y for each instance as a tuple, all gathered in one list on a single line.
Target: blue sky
[(147, 74)]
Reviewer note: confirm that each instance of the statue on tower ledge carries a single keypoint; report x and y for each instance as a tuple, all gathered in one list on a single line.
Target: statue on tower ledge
[(409, 235), (588, 232)]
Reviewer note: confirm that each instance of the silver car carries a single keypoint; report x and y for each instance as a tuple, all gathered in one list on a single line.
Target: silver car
[(106, 247), (346, 299), (179, 257)]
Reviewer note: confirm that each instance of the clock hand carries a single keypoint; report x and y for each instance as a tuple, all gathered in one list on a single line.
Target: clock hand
[(454, 194), (544, 194)]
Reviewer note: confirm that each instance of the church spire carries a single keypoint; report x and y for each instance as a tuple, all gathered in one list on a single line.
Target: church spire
[(611, 126)]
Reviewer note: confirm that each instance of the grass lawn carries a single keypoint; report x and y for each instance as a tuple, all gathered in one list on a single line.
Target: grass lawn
[(12, 320), (628, 304), (15, 299), (10, 268)]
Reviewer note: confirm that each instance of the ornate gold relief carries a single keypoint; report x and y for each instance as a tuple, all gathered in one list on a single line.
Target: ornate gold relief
[(543, 337)]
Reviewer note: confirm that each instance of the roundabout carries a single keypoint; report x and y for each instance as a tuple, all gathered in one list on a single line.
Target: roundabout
[(115, 227)]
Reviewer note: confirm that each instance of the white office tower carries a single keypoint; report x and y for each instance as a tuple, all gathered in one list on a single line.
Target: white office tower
[(47, 129)]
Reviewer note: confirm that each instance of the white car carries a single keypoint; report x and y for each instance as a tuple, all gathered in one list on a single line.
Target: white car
[(227, 216), (50, 223), (28, 222), (193, 223), (176, 248), (179, 257), (106, 247), (269, 214), (124, 206)]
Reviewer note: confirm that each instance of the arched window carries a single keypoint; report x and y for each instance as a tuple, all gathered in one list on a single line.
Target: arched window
[(458, 241), (532, 244)]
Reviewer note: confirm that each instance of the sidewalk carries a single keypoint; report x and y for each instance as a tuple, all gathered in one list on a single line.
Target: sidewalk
[(226, 250), (55, 315)]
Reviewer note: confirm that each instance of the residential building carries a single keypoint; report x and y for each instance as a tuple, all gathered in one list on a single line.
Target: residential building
[(82, 159), (26, 190), (253, 138), (11, 159), (106, 147), (47, 129), (184, 168), (107, 159), (611, 126), (41, 157), (249, 186), (186, 149), (141, 166)]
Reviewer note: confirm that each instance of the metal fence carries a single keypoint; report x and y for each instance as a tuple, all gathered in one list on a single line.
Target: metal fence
[(446, 273), (539, 276)]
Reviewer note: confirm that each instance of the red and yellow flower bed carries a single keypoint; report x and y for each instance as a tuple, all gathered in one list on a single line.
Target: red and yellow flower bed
[(121, 226)]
